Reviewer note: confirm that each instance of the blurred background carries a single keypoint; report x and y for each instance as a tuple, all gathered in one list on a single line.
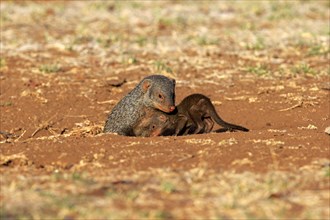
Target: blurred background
[(171, 36)]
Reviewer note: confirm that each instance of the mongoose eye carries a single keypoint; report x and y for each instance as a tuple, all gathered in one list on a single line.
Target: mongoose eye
[(153, 126), (160, 96)]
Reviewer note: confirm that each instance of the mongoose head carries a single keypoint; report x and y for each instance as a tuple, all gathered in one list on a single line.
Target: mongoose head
[(159, 92), (157, 126), (151, 126)]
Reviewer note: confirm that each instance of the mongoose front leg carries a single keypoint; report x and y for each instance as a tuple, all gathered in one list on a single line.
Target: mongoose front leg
[(181, 125), (189, 129)]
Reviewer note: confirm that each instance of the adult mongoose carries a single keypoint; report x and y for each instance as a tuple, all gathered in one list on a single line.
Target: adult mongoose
[(194, 115), (155, 92)]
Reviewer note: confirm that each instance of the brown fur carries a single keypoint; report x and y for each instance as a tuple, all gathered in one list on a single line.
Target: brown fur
[(194, 115)]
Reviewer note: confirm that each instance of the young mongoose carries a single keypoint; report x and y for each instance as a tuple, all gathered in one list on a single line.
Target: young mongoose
[(194, 115), (151, 124), (198, 107), (154, 92)]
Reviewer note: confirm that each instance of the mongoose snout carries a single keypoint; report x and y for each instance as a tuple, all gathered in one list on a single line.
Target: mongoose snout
[(164, 109)]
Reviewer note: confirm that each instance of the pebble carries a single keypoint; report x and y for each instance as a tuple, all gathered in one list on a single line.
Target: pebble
[(327, 130)]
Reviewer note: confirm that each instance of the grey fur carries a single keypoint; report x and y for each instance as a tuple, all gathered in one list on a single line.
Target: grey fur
[(129, 110)]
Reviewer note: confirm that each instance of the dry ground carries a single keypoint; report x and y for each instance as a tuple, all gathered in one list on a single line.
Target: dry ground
[(265, 65)]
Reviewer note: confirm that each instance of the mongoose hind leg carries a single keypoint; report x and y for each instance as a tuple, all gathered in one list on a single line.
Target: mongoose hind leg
[(207, 107), (196, 117), (209, 123)]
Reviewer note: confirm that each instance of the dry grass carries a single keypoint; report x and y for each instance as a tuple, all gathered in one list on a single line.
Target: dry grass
[(129, 33), (161, 193)]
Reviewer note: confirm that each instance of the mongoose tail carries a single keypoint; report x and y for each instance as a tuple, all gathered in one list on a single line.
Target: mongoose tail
[(214, 115)]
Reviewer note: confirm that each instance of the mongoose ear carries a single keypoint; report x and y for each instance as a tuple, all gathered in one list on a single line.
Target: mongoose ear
[(163, 118), (201, 102), (146, 84)]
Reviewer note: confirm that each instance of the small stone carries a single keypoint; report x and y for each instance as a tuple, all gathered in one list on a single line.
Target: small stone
[(327, 130)]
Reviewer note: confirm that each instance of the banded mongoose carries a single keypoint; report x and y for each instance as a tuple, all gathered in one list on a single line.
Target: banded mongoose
[(155, 92), (194, 115), (200, 107), (151, 124)]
